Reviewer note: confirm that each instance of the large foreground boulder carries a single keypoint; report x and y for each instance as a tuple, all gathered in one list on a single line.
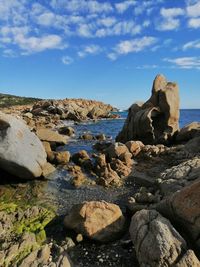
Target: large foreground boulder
[(157, 120), (21, 152), (156, 242), (183, 207), (97, 220)]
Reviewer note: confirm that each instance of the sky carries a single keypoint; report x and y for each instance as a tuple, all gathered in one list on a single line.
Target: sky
[(103, 50)]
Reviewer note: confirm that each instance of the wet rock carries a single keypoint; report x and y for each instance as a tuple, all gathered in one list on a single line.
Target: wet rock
[(98, 220), (66, 130), (156, 241), (21, 152), (157, 120), (188, 132), (82, 159), (101, 137), (183, 207), (51, 136), (87, 137)]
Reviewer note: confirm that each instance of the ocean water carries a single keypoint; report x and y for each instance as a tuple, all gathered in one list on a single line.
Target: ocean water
[(112, 127)]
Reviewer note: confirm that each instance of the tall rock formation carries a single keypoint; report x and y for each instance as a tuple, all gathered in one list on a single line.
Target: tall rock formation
[(157, 120)]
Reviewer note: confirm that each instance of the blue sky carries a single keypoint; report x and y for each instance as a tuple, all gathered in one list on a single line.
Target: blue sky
[(104, 50)]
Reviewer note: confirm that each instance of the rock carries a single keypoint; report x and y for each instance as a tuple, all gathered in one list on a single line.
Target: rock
[(156, 242), (66, 130), (47, 146), (121, 169), (116, 150), (97, 112), (176, 177), (48, 169), (62, 157), (134, 147), (188, 132), (51, 136), (87, 137), (193, 146), (100, 137), (21, 152), (188, 260), (157, 120), (64, 260), (82, 159), (97, 220), (183, 208), (79, 177)]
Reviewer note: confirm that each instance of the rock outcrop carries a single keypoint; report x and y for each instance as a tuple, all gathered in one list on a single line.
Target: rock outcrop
[(157, 120), (98, 220), (21, 152)]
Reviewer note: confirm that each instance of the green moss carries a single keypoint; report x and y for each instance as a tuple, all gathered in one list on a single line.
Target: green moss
[(41, 237), (8, 207)]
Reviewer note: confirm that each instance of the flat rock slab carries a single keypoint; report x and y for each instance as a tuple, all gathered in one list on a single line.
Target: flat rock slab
[(51, 136)]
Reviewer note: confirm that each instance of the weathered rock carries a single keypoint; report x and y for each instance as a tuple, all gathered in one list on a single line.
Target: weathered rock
[(97, 220), (79, 177), (87, 137), (121, 169), (134, 147), (62, 157), (193, 146), (156, 242), (51, 136), (188, 132), (116, 150), (82, 159), (183, 207), (157, 120), (176, 177), (48, 169), (21, 152), (188, 260)]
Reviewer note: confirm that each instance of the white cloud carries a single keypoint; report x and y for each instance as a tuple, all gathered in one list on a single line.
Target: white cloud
[(194, 23), (84, 30), (132, 46), (192, 44), (168, 25), (171, 12), (90, 50), (67, 60), (193, 10), (123, 6), (107, 21), (90, 6), (120, 28), (147, 67), (185, 62)]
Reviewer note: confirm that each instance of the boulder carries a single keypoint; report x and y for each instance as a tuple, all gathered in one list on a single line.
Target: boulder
[(188, 132), (21, 152), (183, 208), (157, 120), (97, 220), (116, 150), (189, 259), (51, 136), (62, 157), (156, 241), (134, 147)]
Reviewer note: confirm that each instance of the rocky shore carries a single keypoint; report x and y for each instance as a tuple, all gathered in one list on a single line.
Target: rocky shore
[(153, 165)]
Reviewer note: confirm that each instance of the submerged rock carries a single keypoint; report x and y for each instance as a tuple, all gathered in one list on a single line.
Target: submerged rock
[(157, 120), (21, 152), (98, 220)]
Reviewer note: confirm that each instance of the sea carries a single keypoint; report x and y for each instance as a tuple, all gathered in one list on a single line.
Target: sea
[(111, 127)]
